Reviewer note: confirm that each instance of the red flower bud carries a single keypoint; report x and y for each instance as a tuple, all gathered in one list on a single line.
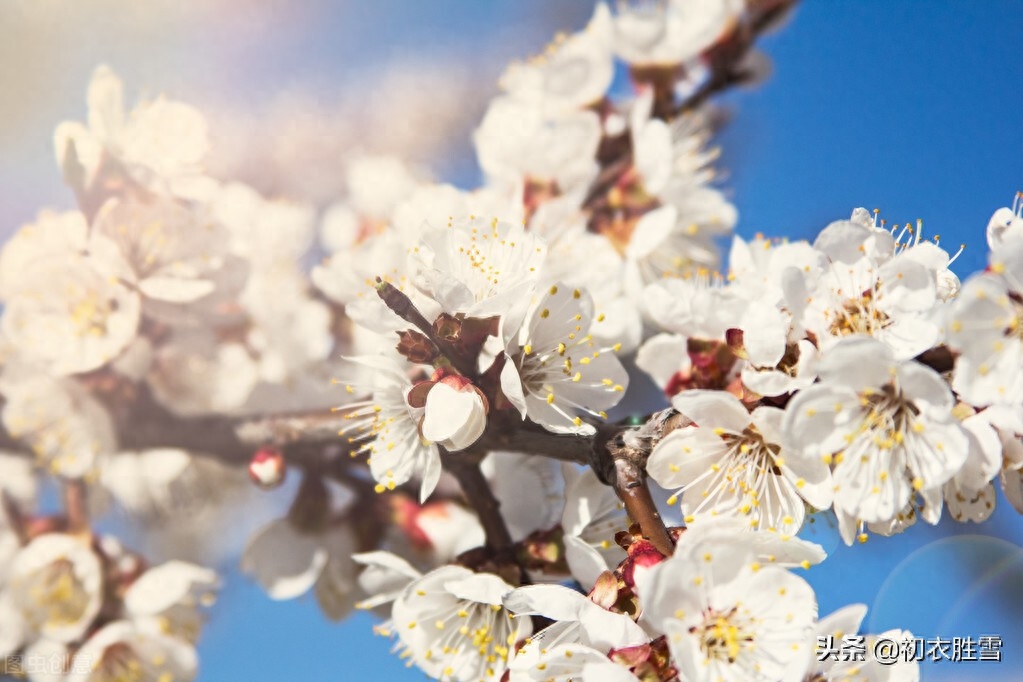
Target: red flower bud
[(267, 468)]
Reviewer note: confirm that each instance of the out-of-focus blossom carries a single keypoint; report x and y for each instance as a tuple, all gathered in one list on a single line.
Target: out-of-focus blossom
[(310, 549), (593, 514), (59, 419), (574, 72), (73, 312), (516, 142), (171, 594), (159, 142), (133, 647), (54, 590), (666, 34)]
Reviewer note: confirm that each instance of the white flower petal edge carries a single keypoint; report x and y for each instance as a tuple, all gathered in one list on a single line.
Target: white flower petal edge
[(453, 626), (726, 616)]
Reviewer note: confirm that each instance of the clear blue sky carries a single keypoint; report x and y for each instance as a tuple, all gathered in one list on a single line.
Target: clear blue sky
[(914, 108), (911, 107)]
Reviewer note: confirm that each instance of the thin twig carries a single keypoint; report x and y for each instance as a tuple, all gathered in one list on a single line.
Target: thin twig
[(481, 498), (76, 506), (403, 307)]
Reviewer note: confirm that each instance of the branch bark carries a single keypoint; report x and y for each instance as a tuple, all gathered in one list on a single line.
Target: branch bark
[(466, 470)]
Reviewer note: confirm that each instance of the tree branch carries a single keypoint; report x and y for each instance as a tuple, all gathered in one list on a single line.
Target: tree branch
[(403, 307), (726, 58), (466, 470)]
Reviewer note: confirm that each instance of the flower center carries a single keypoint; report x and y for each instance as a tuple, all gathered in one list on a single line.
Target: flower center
[(724, 635), (89, 314), (888, 416), (859, 316), (57, 594), (121, 664)]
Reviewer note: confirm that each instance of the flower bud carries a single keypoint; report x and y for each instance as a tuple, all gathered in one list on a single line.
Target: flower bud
[(456, 413), (642, 555), (267, 468)]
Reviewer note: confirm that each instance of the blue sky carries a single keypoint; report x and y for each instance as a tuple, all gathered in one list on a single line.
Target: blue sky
[(910, 107)]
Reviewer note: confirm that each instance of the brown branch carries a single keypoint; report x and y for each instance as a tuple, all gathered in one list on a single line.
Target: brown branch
[(403, 307), (726, 57), (310, 441), (632, 489), (627, 452), (940, 359), (76, 506), (466, 470)]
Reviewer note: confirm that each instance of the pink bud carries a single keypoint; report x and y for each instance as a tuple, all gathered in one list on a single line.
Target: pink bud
[(267, 468), (642, 555), (456, 381)]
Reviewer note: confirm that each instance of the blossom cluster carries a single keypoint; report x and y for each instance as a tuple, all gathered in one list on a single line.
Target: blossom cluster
[(492, 331), (721, 607), (87, 601)]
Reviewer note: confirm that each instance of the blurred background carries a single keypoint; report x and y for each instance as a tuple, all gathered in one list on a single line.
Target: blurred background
[(912, 108)]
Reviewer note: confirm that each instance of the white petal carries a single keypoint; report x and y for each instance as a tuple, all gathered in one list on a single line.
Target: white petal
[(662, 356), (285, 562), (584, 561), (857, 362), (713, 410)]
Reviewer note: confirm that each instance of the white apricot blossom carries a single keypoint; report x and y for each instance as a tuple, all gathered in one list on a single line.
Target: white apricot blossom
[(516, 142), (577, 619), (566, 663), (554, 367), (727, 617), (531, 490), (383, 577), (479, 267), (592, 516), (574, 72), (172, 594), (868, 288), (288, 561), (830, 665), (19, 487), (666, 34), (387, 427), (127, 649), (452, 624), (67, 428), (984, 327), (73, 312), (162, 141), (886, 426), (770, 546), (454, 413), (1006, 224), (195, 373), (50, 234), (173, 251), (579, 640), (54, 590), (732, 462), (158, 483)]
